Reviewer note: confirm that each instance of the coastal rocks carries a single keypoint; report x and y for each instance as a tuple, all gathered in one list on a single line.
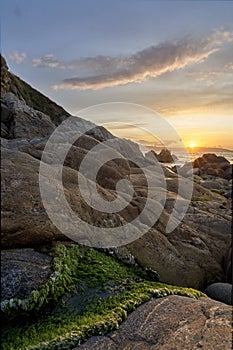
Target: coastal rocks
[(173, 322), (24, 219), (186, 257), (10, 83), (164, 156), (33, 147), (208, 167), (218, 185), (122, 254), (22, 271), (220, 292), (191, 256), (211, 185), (211, 164), (22, 121), (211, 172)]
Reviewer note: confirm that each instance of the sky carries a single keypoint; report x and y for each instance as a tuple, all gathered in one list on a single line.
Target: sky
[(174, 58)]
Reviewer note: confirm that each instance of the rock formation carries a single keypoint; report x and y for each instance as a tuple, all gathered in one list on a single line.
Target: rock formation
[(210, 165), (171, 323), (192, 255), (164, 156), (196, 254)]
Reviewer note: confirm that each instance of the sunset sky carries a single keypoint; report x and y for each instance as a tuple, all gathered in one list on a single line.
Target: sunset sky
[(174, 57)]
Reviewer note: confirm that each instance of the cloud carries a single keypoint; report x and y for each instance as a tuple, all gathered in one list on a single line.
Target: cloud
[(47, 61), (126, 126), (86, 65), (229, 66), (170, 142), (105, 71), (17, 57)]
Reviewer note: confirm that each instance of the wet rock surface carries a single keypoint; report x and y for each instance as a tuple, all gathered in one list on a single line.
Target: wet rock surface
[(22, 271), (173, 322)]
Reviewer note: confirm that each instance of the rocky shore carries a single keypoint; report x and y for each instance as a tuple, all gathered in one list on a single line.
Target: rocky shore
[(57, 293)]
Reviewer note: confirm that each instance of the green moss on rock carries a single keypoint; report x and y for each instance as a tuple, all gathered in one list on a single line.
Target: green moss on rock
[(72, 266)]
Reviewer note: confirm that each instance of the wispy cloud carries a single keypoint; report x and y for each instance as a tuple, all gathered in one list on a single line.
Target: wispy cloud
[(126, 126), (88, 65), (47, 61), (105, 71), (17, 57), (229, 66)]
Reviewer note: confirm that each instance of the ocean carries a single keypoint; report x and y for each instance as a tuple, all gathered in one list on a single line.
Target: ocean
[(184, 158)]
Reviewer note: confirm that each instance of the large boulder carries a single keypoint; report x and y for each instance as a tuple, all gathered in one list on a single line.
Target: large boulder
[(164, 156), (211, 164), (23, 121), (173, 322), (220, 292), (186, 257)]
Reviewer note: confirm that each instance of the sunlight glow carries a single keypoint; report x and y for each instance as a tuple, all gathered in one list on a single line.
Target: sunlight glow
[(192, 144)]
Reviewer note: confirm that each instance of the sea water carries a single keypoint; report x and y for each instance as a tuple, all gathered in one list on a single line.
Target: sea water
[(190, 156)]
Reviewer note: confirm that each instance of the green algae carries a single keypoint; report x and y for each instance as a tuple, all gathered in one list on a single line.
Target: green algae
[(72, 266)]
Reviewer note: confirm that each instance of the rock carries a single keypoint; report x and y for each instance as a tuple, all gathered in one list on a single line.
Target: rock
[(229, 172), (23, 91), (86, 142), (151, 156), (24, 121), (214, 159), (220, 173), (100, 133), (228, 265), (211, 164), (220, 292), (22, 271), (191, 256), (196, 171), (211, 185), (165, 156), (186, 257), (4, 130), (24, 219), (152, 275), (210, 171), (122, 254), (193, 253), (185, 169), (173, 322)]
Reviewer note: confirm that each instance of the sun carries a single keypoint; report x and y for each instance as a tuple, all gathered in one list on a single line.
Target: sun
[(192, 144)]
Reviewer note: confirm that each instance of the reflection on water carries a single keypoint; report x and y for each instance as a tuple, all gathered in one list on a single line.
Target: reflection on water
[(184, 158)]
